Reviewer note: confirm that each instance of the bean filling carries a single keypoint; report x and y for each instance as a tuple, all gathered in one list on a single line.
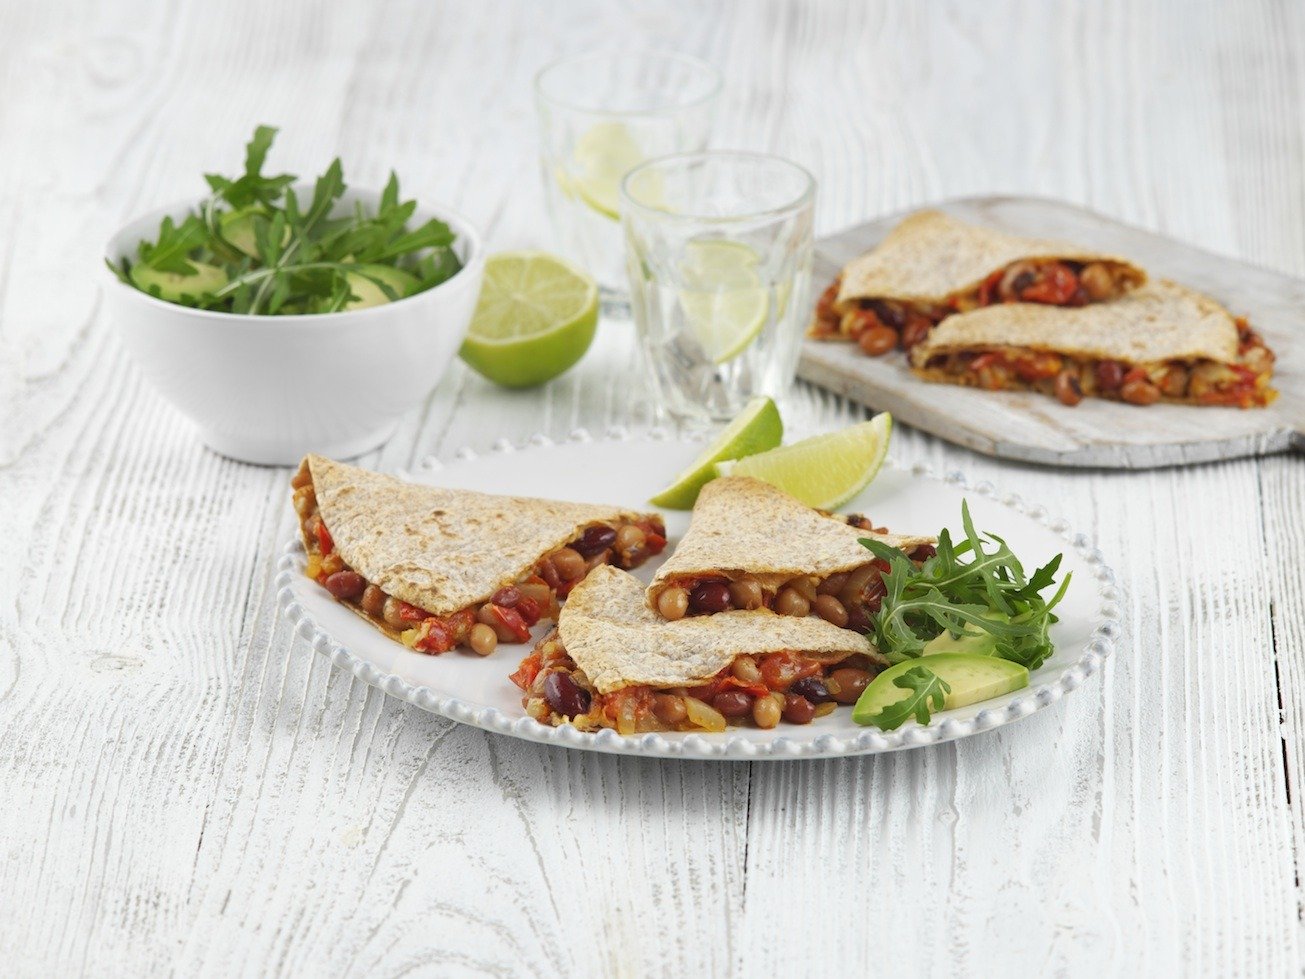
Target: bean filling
[(1244, 384), (848, 599), (878, 326), (510, 612), (762, 689)]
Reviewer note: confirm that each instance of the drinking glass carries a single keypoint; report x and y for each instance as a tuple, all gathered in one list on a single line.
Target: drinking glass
[(718, 255), (600, 114)]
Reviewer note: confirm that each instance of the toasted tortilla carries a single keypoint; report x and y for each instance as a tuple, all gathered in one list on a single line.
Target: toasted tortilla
[(1159, 321), (931, 257), (441, 549), (744, 526), (612, 635)]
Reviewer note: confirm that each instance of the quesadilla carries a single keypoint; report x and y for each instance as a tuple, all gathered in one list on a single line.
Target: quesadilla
[(932, 265), (752, 546), (437, 568), (1162, 342), (611, 662)]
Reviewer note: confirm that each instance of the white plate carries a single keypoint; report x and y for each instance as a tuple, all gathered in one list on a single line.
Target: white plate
[(625, 470)]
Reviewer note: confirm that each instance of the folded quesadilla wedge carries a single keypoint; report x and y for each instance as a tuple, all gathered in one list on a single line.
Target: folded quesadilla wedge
[(612, 662), (1162, 342), (752, 546), (932, 265), (437, 568)]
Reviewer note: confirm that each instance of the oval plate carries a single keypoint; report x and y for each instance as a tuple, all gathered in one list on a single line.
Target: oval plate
[(625, 471)]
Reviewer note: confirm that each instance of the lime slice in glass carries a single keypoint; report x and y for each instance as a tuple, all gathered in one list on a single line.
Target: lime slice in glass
[(602, 156), (756, 428), (824, 471), (536, 317), (723, 300)]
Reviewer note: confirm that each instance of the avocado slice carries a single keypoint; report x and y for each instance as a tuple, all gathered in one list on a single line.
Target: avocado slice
[(971, 678), (370, 294), (972, 640), (238, 229), (173, 286)]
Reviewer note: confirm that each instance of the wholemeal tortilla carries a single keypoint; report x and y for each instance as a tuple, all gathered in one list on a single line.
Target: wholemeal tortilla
[(932, 257), (744, 526), (441, 549), (1159, 321), (611, 634)]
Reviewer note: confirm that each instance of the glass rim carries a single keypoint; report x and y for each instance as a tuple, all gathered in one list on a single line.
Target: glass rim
[(713, 88), (630, 202)]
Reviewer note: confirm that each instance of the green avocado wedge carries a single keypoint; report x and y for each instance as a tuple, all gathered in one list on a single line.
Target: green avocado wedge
[(974, 640), (970, 678), (176, 286)]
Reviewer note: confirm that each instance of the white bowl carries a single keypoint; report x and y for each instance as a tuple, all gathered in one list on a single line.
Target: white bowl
[(267, 389)]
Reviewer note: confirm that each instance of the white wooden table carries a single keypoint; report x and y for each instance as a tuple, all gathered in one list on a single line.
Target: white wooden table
[(185, 788)]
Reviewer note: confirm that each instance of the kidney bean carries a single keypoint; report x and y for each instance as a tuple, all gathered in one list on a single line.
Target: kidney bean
[(890, 314), (791, 602), (345, 584), (732, 703), (858, 618), (798, 710), (813, 688), (923, 552), (594, 540), (1068, 389), (831, 610), (565, 696), (850, 682), (710, 596), (373, 601), (833, 584), (1110, 375), (506, 596), (877, 341)]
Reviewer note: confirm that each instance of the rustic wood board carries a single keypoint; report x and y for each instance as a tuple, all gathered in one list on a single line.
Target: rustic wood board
[(1033, 428)]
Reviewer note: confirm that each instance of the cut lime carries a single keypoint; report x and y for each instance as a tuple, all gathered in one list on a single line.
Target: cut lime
[(756, 428), (723, 300), (824, 471), (602, 156), (536, 317)]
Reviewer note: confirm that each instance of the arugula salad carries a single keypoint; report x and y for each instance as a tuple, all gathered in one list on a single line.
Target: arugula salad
[(254, 246), (966, 625)]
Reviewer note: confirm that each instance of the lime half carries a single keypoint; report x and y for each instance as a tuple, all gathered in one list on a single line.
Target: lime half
[(536, 317), (723, 300), (824, 471), (756, 428), (602, 155)]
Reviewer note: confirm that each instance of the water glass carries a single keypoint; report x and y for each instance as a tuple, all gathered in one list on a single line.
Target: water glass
[(600, 114), (718, 252)]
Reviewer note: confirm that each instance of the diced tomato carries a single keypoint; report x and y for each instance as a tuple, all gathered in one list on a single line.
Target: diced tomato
[(459, 625), (984, 360), (436, 638), (782, 670), (732, 682), (529, 609), (1055, 285), (1136, 374), (324, 542), (410, 613), (654, 543), (564, 588), (525, 674), (511, 620)]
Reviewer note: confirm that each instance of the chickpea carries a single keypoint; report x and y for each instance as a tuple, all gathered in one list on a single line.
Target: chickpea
[(673, 603), (746, 593), (766, 712), (483, 639), (877, 341), (569, 564)]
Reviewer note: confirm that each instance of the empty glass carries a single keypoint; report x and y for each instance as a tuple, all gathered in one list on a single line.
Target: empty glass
[(718, 255), (600, 114)]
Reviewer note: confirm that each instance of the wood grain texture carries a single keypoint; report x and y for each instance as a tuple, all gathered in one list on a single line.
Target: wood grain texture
[(186, 788), (1028, 427)]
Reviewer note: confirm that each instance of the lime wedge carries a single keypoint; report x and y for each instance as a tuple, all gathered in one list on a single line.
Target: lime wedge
[(824, 471), (723, 300), (602, 156), (756, 428), (536, 317)]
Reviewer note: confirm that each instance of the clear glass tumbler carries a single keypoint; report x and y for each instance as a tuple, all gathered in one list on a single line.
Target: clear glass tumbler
[(600, 114), (718, 252)]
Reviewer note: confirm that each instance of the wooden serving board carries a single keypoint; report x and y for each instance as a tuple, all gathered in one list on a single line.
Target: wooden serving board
[(1034, 428)]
